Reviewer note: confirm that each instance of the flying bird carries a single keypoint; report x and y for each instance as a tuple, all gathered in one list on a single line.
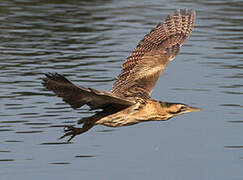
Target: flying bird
[(129, 101)]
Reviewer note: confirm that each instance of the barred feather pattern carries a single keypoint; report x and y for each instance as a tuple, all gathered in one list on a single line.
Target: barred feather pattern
[(143, 67)]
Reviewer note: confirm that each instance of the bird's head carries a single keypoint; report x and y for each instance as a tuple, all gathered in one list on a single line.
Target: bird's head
[(174, 109)]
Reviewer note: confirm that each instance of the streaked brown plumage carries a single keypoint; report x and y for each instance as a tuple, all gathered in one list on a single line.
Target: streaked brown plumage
[(129, 101), (152, 54)]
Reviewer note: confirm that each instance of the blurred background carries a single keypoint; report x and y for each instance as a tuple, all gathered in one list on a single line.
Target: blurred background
[(87, 41)]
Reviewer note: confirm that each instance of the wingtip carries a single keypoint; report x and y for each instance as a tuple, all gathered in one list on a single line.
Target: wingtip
[(185, 12), (55, 76), (50, 77), (45, 79)]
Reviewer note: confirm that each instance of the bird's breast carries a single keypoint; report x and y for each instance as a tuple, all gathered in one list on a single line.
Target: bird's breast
[(133, 115)]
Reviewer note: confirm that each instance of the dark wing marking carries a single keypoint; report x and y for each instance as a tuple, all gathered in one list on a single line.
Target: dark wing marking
[(143, 67), (78, 96)]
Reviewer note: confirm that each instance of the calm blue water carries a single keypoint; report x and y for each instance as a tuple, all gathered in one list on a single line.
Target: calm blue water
[(87, 41)]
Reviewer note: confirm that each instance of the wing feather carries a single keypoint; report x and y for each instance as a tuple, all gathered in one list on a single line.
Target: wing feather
[(143, 67), (78, 96)]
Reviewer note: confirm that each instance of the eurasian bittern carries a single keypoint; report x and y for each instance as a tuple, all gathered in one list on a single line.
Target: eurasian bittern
[(129, 101)]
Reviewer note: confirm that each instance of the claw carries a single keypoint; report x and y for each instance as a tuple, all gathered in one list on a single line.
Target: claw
[(66, 134), (71, 138), (68, 128), (73, 131), (70, 131)]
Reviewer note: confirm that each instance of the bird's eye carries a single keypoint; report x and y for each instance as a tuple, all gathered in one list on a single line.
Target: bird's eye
[(183, 108)]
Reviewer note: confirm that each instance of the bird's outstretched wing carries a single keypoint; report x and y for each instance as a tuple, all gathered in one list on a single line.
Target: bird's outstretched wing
[(143, 67), (78, 96)]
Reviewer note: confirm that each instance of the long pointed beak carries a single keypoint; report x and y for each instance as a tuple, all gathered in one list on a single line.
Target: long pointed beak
[(189, 108)]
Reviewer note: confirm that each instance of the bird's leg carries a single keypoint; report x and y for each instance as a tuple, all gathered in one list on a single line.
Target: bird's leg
[(73, 131)]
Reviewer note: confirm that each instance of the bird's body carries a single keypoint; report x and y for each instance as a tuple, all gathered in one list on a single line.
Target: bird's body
[(150, 111), (129, 102)]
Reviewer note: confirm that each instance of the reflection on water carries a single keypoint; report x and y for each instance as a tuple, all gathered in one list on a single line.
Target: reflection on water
[(82, 156), (60, 163), (7, 160), (54, 143), (233, 146), (87, 41)]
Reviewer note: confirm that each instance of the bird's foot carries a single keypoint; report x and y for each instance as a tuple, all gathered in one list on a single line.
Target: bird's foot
[(72, 131)]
